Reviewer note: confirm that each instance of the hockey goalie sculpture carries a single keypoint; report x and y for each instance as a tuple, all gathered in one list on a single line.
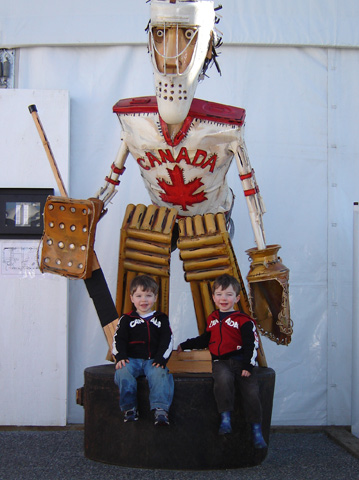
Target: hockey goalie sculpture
[(184, 148)]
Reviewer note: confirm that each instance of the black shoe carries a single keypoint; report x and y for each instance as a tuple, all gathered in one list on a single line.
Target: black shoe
[(131, 415), (161, 417)]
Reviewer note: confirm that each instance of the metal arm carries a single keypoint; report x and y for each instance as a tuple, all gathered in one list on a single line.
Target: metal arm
[(108, 190), (254, 200)]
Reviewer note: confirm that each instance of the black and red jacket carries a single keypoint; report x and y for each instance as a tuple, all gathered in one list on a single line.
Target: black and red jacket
[(234, 335), (149, 338)]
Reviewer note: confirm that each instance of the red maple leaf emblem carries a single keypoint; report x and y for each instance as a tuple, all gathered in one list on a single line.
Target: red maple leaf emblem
[(181, 193)]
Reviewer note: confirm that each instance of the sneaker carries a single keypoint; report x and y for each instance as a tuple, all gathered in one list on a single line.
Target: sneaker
[(225, 426), (131, 415), (161, 417), (258, 439)]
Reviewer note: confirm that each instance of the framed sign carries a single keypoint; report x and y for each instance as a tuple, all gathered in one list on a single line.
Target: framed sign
[(21, 212)]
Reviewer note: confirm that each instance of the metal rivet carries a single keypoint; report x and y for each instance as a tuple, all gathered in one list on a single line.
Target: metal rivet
[(73, 228), (51, 207), (72, 246), (49, 241), (61, 244), (62, 226), (58, 262)]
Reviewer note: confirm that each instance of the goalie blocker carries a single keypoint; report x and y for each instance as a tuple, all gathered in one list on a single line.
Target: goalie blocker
[(69, 236)]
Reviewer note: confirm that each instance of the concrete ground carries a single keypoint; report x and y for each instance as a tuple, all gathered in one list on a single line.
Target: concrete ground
[(298, 453)]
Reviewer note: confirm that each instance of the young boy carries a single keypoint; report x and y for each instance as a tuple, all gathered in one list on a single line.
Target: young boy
[(142, 345), (232, 340)]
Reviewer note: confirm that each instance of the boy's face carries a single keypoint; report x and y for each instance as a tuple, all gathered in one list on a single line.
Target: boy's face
[(225, 299), (143, 301)]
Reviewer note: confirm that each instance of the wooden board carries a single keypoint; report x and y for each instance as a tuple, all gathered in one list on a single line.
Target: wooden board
[(195, 361)]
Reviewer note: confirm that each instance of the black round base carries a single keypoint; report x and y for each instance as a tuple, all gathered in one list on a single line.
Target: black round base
[(191, 442)]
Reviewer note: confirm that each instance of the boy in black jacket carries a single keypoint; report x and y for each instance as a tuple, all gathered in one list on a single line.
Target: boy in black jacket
[(232, 340), (142, 345)]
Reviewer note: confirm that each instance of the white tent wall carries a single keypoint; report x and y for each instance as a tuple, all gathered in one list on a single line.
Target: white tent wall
[(301, 103), (343, 170), (258, 22)]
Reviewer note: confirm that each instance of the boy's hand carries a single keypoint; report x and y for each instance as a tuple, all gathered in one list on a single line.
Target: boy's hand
[(157, 365), (245, 373), (122, 363)]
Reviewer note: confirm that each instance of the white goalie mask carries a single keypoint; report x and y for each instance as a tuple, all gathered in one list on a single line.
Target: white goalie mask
[(179, 40)]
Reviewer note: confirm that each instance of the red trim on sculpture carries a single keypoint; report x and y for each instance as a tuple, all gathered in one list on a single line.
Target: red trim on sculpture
[(201, 109)]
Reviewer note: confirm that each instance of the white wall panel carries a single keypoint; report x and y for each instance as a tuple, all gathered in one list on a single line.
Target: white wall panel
[(33, 338)]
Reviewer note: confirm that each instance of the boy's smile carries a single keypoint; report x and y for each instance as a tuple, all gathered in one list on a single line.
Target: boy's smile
[(225, 299)]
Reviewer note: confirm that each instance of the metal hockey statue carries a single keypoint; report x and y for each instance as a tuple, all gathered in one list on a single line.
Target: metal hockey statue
[(184, 148)]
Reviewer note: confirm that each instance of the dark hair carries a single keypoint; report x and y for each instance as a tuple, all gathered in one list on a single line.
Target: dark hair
[(145, 282), (225, 281)]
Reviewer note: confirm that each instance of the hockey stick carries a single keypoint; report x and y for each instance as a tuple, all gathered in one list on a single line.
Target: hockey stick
[(96, 286)]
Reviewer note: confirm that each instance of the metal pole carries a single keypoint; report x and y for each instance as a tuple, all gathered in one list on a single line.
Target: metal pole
[(355, 336)]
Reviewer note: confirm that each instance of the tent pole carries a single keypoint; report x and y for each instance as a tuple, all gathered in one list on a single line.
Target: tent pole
[(355, 336)]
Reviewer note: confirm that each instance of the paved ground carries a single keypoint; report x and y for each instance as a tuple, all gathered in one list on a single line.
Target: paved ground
[(295, 454)]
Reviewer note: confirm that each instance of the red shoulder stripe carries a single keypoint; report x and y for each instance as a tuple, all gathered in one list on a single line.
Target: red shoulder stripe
[(217, 112), (136, 105), (201, 109)]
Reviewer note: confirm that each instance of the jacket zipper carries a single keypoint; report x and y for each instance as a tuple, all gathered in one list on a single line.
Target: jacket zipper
[(220, 334), (149, 338)]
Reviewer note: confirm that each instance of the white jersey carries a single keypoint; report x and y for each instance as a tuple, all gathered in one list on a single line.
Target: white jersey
[(187, 172)]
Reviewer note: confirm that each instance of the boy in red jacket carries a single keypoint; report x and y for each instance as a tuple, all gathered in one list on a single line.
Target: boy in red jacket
[(232, 340)]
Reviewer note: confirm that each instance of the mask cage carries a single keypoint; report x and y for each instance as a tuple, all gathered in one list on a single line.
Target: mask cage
[(165, 27)]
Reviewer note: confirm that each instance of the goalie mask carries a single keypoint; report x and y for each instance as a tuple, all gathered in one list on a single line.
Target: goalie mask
[(180, 37)]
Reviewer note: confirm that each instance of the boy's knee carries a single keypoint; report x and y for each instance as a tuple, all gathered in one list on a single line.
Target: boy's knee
[(223, 377), (158, 372), (159, 376), (122, 373)]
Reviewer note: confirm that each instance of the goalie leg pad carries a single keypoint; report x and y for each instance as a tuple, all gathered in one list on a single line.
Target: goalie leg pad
[(207, 252), (145, 248)]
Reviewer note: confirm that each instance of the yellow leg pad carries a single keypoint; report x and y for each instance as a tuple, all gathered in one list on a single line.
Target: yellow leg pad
[(201, 235), (207, 252), (145, 248), (109, 331)]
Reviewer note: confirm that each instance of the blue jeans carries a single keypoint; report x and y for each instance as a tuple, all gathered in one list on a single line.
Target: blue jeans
[(160, 383)]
